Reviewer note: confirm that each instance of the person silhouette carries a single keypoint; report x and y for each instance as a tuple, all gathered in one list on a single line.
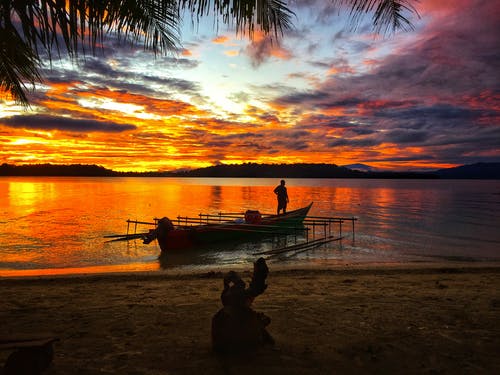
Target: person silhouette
[(282, 196)]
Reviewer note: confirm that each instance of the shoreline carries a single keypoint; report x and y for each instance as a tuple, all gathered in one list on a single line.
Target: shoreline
[(188, 272), (412, 318)]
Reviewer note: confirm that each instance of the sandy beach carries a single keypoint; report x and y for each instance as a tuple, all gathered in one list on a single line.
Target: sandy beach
[(414, 319)]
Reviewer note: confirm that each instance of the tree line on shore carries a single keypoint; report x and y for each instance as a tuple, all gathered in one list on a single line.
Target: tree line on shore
[(252, 170), (303, 170)]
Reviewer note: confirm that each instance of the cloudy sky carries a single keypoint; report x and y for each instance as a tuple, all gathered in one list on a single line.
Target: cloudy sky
[(423, 99)]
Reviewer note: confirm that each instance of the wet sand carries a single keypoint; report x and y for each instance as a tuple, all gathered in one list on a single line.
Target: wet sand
[(437, 319)]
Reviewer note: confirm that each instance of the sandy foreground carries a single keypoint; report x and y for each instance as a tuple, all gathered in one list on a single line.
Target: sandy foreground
[(439, 319)]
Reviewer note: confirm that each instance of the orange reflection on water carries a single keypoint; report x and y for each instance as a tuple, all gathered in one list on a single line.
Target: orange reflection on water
[(58, 225), (135, 267), (27, 196), (383, 199)]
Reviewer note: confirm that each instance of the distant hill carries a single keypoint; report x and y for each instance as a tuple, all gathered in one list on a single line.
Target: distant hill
[(360, 167), (254, 170), (473, 171)]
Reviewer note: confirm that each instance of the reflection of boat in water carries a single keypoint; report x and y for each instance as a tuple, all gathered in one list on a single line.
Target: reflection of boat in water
[(189, 232), (220, 254)]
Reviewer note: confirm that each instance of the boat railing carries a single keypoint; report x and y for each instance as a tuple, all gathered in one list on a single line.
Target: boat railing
[(186, 221), (327, 223), (136, 222)]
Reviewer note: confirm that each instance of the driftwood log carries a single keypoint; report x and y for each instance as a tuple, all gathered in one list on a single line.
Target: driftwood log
[(237, 327)]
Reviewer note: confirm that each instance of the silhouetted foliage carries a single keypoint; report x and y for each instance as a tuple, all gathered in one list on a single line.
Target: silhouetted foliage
[(489, 171), (299, 170), (253, 170), (54, 170), (83, 170)]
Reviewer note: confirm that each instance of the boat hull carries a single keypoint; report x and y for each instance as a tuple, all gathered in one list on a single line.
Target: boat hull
[(198, 235)]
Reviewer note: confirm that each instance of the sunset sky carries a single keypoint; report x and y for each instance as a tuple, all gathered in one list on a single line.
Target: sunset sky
[(424, 99)]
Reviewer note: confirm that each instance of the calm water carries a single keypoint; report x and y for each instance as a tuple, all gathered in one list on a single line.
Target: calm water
[(56, 225)]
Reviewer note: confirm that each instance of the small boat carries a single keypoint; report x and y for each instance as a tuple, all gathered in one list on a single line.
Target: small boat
[(250, 226)]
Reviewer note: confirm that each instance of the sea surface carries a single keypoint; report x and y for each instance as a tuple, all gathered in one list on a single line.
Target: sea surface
[(57, 225)]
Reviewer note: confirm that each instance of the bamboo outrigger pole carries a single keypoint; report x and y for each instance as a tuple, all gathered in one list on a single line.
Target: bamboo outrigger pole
[(291, 247), (127, 237), (318, 244), (305, 246)]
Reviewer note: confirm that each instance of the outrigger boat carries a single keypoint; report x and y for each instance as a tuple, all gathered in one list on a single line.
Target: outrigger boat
[(208, 229), (192, 233)]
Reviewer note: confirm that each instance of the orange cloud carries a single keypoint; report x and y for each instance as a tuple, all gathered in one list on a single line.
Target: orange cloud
[(231, 53), (220, 39), (342, 69), (371, 62)]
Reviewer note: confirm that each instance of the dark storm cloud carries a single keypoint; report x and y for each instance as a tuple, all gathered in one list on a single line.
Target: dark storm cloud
[(267, 141), (325, 9), (106, 71), (183, 63), (269, 91), (247, 135), (445, 113), (485, 138), (220, 143), (57, 74), (46, 122), (324, 121), (291, 144), (457, 57), (254, 146), (338, 65), (174, 83), (128, 52), (320, 64), (406, 136), (366, 142), (303, 98), (217, 144), (441, 92), (261, 50), (100, 72), (269, 118), (101, 67)]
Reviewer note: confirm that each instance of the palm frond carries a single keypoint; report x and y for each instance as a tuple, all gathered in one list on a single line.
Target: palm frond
[(18, 64), (42, 27), (154, 23), (387, 15), (269, 15)]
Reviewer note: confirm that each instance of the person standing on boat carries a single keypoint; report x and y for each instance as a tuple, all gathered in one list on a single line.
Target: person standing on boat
[(282, 196)]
